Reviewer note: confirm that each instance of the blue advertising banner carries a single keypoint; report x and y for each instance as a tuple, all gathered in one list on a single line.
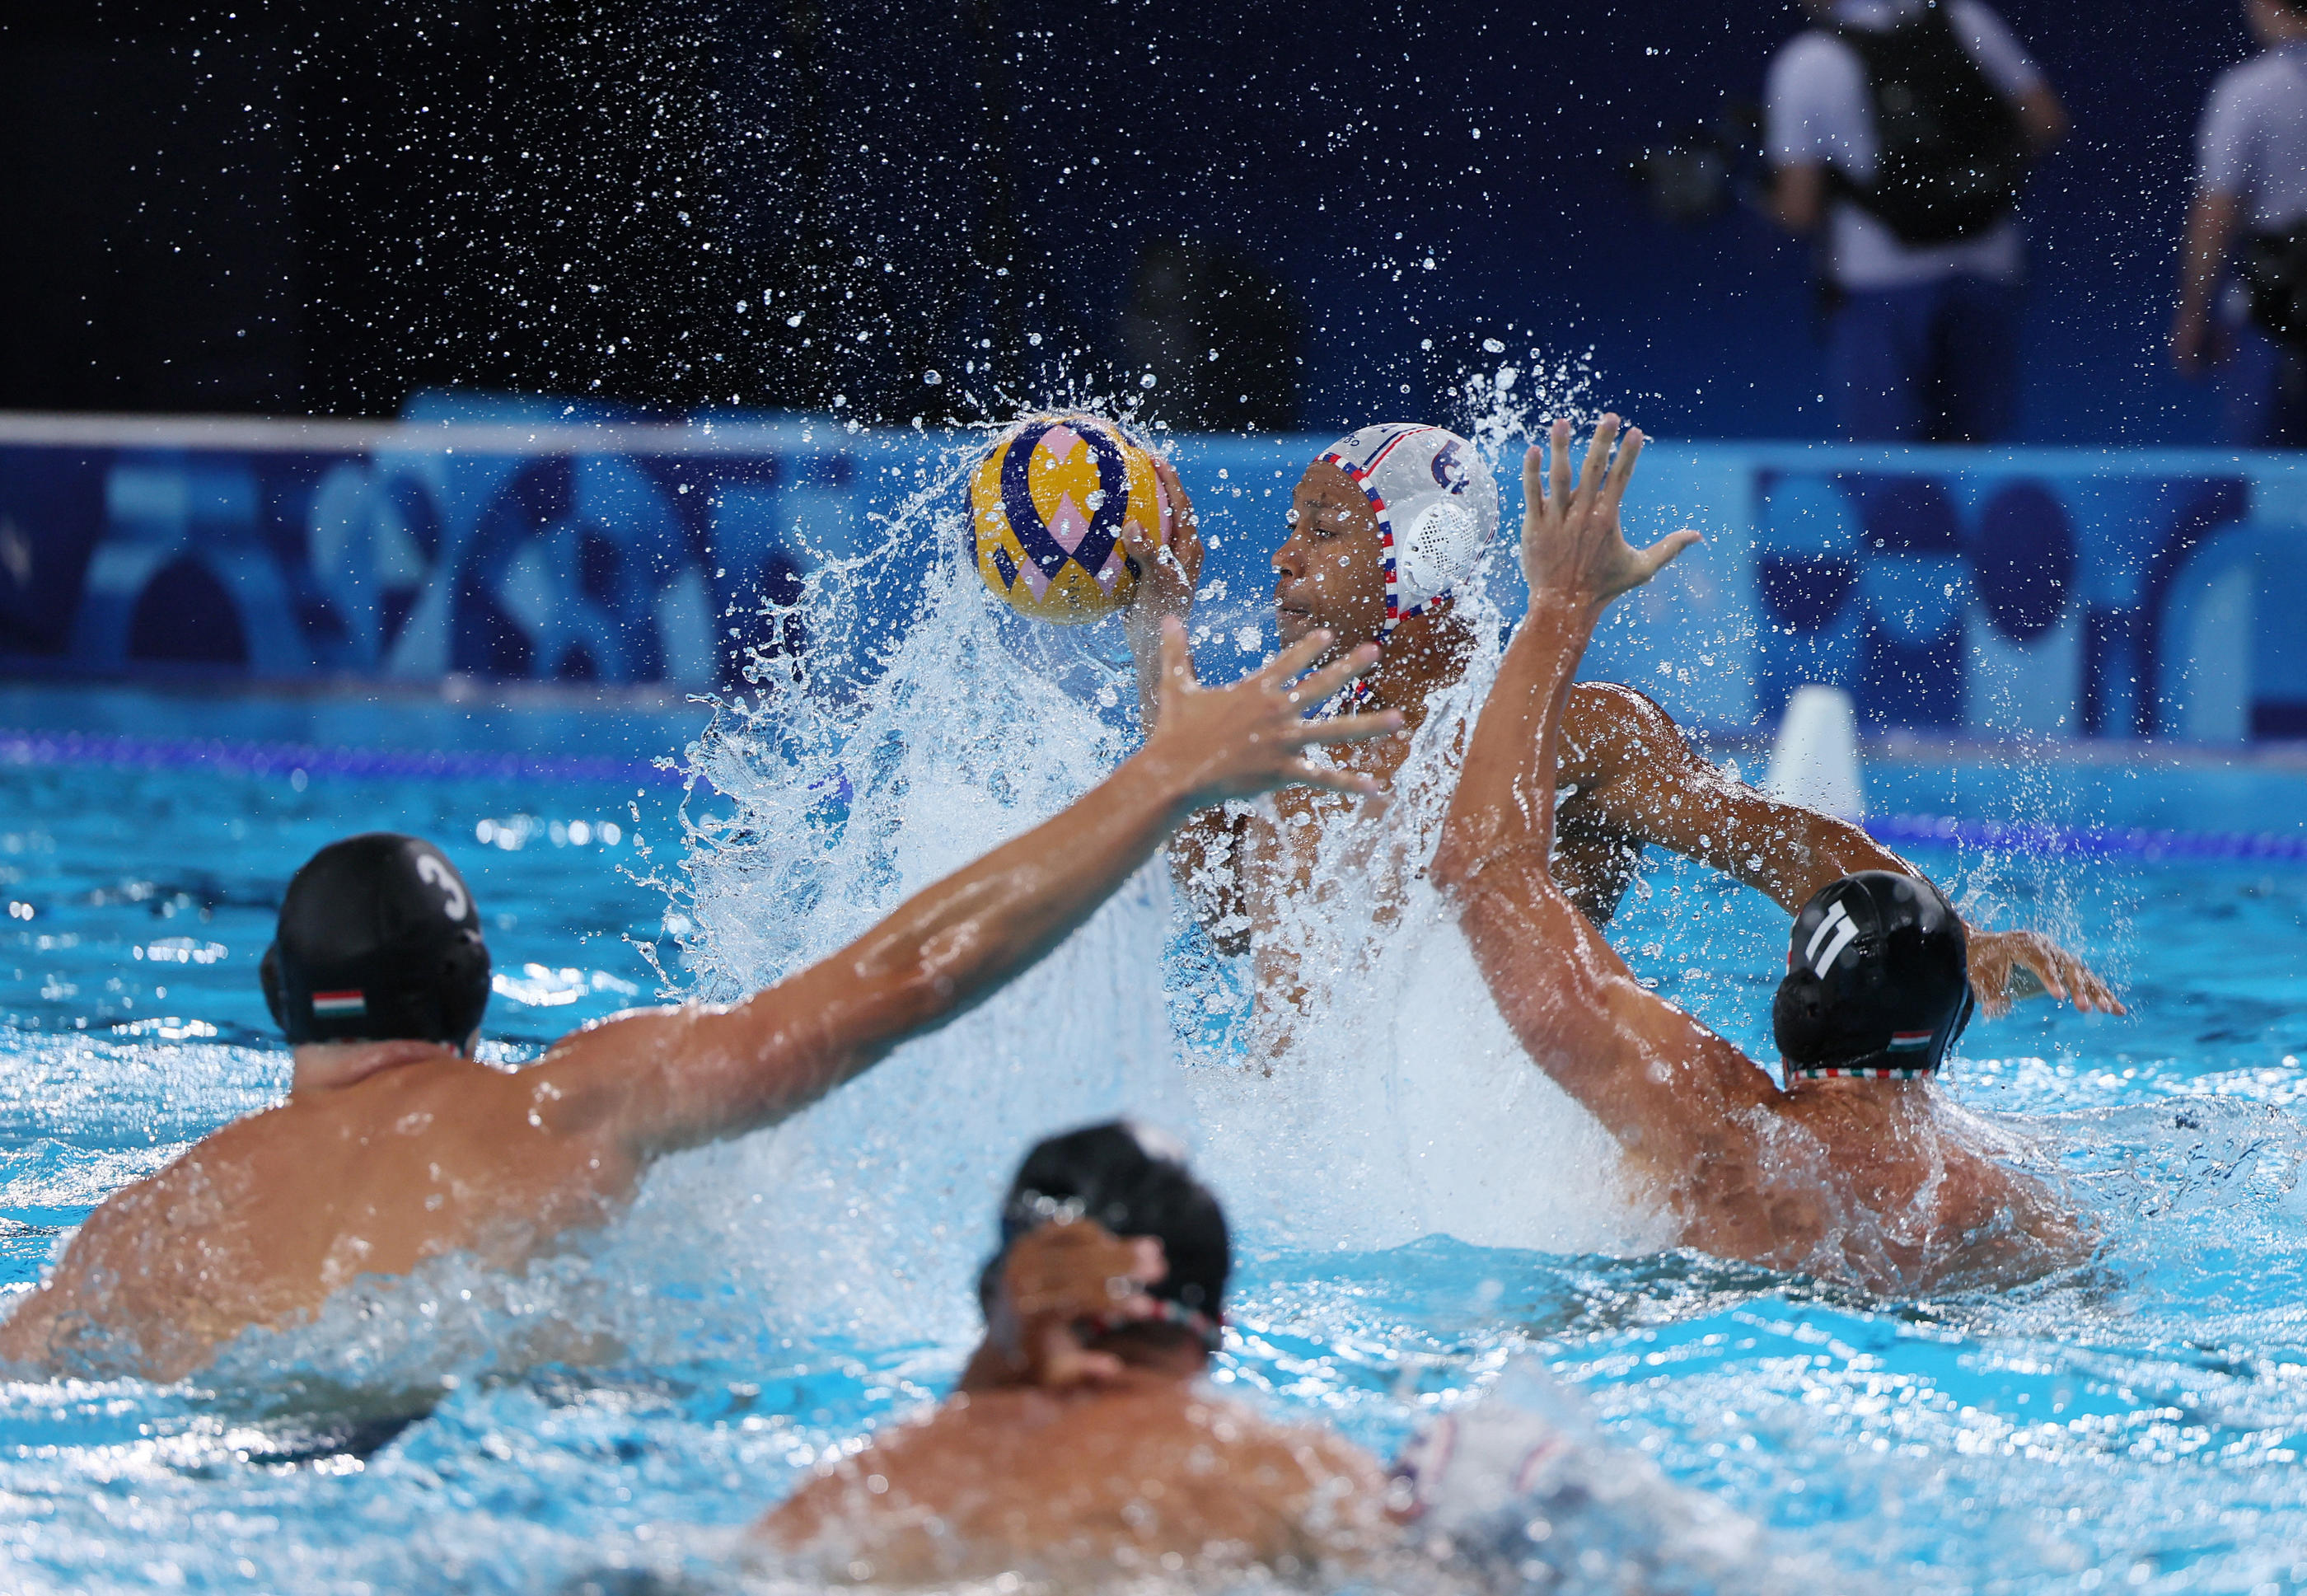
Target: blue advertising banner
[(2056, 593)]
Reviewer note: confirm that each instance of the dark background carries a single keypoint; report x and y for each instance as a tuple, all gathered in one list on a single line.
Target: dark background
[(292, 210)]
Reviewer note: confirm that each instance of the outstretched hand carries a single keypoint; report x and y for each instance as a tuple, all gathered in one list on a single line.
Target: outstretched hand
[(1249, 738), (2008, 965), (1572, 544)]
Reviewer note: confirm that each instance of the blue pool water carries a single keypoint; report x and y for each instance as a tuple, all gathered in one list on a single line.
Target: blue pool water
[(2138, 1429)]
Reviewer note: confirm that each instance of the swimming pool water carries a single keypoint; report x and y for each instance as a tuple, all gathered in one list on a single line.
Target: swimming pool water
[(2138, 1429)]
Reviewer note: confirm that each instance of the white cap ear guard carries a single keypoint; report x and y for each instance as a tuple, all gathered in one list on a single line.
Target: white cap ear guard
[(1440, 549), (1435, 505)]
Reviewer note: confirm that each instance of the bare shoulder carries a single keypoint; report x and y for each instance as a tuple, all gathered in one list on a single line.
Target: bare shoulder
[(1331, 1492), (1320, 1455), (1608, 725), (594, 1066)]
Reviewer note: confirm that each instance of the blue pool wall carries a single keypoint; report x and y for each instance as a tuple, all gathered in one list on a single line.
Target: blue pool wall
[(2058, 593)]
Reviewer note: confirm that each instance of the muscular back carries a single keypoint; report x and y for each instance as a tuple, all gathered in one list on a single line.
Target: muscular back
[(1088, 1479), (261, 1221), (1882, 1184)]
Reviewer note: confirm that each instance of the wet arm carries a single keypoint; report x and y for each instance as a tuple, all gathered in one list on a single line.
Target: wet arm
[(700, 1074), (1670, 1090), (1649, 785), (680, 1077), (1648, 1071)]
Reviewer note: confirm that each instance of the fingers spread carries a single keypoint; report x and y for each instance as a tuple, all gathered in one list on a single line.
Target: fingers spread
[(1291, 662), (1317, 688), (2090, 993), (1329, 778), (1597, 455), (2050, 967), (1661, 553)]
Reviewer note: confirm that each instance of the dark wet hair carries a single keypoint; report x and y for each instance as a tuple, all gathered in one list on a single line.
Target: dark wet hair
[(1878, 979), (378, 940), (1133, 1181)]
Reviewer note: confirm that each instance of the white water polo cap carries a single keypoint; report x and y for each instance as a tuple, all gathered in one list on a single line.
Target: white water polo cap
[(1437, 507)]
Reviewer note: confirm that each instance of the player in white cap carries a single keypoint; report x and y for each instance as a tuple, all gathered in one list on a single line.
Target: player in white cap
[(1382, 527)]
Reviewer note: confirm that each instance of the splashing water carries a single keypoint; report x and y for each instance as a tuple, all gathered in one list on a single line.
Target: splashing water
[(2137, 1426), (834, 804), (1403, 1108)]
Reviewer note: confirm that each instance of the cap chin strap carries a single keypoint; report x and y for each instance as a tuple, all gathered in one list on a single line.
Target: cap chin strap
[(1386, 552), (1836, 1072), (1210, 1332)]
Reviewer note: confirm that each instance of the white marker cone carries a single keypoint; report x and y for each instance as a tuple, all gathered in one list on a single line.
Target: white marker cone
[(1815, 763)]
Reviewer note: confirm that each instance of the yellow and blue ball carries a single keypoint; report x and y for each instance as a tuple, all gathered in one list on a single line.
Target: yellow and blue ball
[(1048, 507)]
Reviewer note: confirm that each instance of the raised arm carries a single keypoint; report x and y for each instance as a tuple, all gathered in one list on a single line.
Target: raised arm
[(1661, 1083), (679, 1077), (1205, 853), (1639, 779)]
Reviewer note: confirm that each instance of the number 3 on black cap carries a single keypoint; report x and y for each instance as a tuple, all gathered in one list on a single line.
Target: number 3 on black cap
[(430, 868)]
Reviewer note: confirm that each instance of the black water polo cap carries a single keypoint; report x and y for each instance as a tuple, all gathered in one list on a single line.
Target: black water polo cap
[(1878, 981), (1133, 1181), (379, 941)]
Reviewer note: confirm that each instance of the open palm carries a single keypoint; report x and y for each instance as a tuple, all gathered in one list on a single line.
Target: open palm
[(1572, 544)]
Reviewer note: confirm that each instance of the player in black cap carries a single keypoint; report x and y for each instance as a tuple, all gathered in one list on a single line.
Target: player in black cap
[(1877, 985), (378, 938), (1081, 1439), (1131, 1181), (1853, 1167), (394, 1144)]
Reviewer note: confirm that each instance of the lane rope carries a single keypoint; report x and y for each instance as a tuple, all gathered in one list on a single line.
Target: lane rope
[(23, 749), (32, 749)]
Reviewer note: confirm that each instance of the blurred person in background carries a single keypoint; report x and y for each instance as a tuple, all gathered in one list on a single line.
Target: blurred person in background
[(2251, 181), (1905, 129)]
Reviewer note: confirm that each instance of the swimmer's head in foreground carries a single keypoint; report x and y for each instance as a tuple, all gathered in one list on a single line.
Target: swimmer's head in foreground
[(1877, 985), (1383, 525), (1131, 1182), (1083, 1441), (378, 940)]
